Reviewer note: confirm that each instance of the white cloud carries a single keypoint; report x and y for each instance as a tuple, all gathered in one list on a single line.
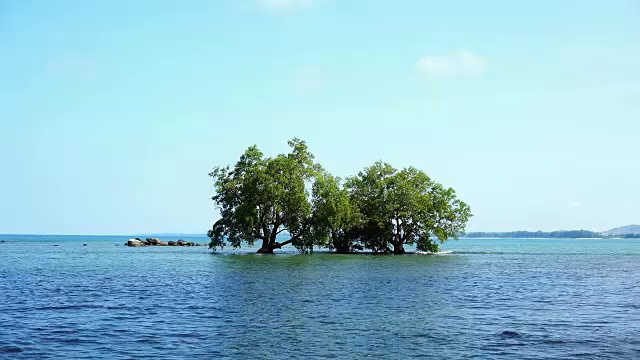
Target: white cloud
[(285, 4), (461, 63), (308, 79)]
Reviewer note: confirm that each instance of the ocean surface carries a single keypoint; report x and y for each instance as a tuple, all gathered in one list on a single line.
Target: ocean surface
[(486, 299)]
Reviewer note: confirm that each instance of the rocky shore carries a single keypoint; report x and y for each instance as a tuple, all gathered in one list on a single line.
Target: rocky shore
[(137, 242)]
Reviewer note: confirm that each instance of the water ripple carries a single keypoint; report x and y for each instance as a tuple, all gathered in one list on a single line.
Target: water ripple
[(563, 300)]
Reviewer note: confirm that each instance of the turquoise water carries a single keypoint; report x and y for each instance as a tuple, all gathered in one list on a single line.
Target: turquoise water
[(563, 298)]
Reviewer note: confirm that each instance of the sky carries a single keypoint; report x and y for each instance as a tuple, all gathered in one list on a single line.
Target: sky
[(112, 113)]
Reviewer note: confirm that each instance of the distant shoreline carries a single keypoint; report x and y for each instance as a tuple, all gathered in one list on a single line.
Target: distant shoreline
[(561, 234), (602, 237)]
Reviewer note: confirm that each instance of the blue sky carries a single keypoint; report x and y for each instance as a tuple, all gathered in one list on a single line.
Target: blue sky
[(112, 113)]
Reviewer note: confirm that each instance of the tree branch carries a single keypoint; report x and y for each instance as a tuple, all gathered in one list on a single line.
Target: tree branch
[(293, 238)]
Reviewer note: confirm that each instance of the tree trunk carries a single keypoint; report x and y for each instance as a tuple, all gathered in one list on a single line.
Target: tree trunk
[(269, 242), (398, 248), (268, 248), (265, 251), (340, 247), (398, 242)]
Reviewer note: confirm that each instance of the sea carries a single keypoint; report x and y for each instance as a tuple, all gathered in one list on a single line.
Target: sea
[(478, 299)]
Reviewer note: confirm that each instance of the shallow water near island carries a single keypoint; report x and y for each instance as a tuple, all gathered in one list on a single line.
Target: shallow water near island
[(484, 298)]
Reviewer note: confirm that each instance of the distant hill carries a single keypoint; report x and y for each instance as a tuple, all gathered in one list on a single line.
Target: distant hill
[(623, 230), (566, 234)]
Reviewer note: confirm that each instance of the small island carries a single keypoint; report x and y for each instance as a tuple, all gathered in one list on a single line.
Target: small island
[(381, 209)]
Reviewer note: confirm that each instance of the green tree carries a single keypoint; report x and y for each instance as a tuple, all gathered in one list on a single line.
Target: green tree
[(261, 198), (368, 192), (381, 208), (333, 215), (404, 208)]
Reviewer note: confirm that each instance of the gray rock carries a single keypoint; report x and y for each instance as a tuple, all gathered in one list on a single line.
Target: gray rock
[(153, 242), (135, 243)]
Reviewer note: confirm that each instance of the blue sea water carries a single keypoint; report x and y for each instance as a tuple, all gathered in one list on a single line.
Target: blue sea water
[(488, 299)]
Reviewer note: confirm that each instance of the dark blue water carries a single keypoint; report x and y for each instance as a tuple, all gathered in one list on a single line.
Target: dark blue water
[(554, 298)]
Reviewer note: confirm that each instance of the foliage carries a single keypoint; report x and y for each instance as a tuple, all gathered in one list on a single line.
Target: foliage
[(333, 215), (381, 208), (404, 208), (263, 197)]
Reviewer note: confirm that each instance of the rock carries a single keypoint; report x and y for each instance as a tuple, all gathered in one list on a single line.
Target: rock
[(173, 243), (84, 244), (197, 244), (182, 242), (2, 241), (135, 243), (153, 242)]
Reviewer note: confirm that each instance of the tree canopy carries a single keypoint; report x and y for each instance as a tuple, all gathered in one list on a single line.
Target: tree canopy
[(380, 209), (405, 208), (333, 215), (263, 197)]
